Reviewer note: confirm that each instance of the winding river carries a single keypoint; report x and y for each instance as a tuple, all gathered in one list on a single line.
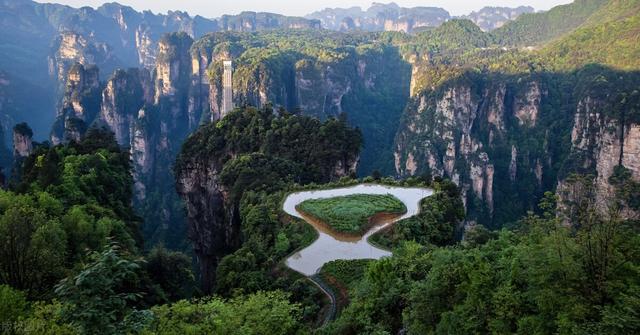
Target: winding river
[(330, 245)]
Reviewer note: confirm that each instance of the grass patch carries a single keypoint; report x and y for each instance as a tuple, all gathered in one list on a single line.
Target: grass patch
[(350, 214)]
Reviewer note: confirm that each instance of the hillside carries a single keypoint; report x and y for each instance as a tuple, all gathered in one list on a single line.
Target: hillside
[(538, 28)]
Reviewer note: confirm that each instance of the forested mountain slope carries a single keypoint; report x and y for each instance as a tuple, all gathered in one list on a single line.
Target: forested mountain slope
[(537, 28)]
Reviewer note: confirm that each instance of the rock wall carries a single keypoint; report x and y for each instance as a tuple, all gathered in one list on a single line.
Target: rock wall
[(213, 221), (468, 130), (22, 141), (80, 103), (505, 140)]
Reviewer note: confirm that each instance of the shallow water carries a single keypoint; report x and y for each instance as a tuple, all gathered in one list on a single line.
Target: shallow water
[(331, 245)]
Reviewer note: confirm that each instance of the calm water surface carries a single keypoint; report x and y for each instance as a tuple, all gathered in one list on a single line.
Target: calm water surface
[(331, 245)]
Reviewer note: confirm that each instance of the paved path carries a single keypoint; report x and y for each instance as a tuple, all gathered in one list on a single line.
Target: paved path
[(329, 293)]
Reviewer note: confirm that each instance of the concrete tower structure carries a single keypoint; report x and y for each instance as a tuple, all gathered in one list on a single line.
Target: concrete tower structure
[(227, 88)]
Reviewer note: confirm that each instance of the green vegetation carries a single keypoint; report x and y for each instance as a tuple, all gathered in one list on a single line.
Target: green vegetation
[(543, 277), (536, 28), (271, 64), (437, 223), (255, 314), (261, 156), (70, 244), (342, 276), (351, 214)]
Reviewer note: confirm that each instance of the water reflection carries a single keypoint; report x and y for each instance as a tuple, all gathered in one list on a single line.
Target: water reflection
[(331, 245)]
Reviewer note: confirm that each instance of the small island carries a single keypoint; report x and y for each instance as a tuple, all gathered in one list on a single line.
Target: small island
[(352, 214)]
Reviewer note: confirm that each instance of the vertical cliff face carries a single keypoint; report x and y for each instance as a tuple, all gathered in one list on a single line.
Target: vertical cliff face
[(370, 84), (507, 139), (22, 141), (80, 103), (470, 130), (213, 222), (148, 112), (125, 94), (71, 48), (601, 142), (173, 79)]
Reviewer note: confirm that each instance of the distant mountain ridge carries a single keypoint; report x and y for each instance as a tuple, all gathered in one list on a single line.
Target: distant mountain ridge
[(391, 17), (39, 42)]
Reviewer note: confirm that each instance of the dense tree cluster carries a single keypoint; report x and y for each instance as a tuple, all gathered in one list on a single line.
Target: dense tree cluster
[(69, 233), (543, 277)]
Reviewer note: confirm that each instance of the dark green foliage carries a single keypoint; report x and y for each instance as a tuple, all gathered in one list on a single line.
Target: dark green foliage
[(33, 242), (543, 278), (258, 172), (345, 273), (437, 223), (171, 271), (351, 214), (303, 141), (628, 190), (23, 129)]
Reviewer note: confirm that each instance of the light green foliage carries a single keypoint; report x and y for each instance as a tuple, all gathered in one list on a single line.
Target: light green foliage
[(99, 297), (13, 306), (343, 276), (350, 214), (47, 319), (543, 278), (259, 313), (535, 28)]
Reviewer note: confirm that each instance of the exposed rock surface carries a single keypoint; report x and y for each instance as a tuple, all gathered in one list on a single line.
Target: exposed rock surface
[(80, 104), (391, 17), (22, 141), (213, 222), (381, 17), (489, 18)]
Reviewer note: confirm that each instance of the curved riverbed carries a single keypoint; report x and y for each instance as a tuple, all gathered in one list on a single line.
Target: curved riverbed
[(331, 245)]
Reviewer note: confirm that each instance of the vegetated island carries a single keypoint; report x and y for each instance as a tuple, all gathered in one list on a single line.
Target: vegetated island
[(352, 214)]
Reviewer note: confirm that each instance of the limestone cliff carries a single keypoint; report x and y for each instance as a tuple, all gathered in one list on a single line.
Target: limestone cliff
[(468, 130), (370, 84), (213, 221), (125, 94), (80, 104), (22, 141), (507, 139), (71, 48), (600, 143)]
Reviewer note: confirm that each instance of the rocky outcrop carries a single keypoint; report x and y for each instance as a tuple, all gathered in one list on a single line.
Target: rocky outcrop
[(80, 104), (505, 140), (381, 17), (213, 222), (391, 17), (125, 94), (463, 130), (22, 141), (71, 48), (490, 18), (600, 142)]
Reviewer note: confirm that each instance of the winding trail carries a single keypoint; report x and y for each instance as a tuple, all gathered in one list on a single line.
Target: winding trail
[(331, 245)]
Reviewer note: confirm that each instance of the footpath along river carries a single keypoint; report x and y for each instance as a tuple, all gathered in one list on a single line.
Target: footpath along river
[(331, 245)]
